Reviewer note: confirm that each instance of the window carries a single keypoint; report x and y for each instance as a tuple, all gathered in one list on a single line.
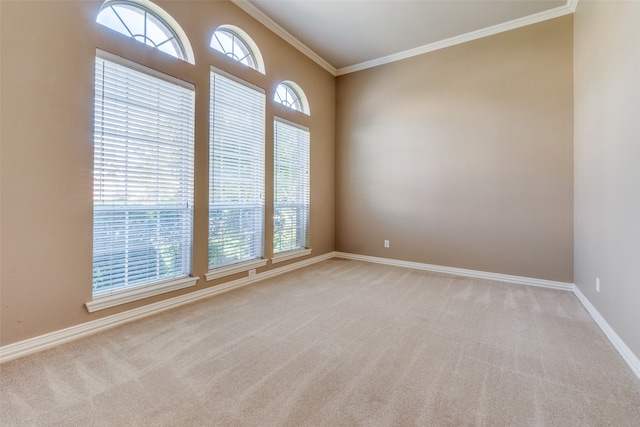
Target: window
[(236, 172), (291, 192), (291, 95), (237, 44), (143, 177), (147, 23)]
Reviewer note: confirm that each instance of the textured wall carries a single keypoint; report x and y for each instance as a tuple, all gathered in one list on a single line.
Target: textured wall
[(463, 157), (48, 52), (607, 162)]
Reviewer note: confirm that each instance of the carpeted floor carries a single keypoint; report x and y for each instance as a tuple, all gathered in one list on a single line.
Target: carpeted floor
[(338, 343)]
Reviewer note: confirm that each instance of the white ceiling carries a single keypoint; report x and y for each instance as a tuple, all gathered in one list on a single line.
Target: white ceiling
[(349, 35)]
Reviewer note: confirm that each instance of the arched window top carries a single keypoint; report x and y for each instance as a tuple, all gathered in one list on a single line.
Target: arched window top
[(147, 23), (235, 43), (290, 94)]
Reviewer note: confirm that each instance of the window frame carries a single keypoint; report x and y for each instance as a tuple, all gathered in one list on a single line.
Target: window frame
[(284, 255), (301, 98), (259, 261), (168, 22), (245, 40), (110, 297)]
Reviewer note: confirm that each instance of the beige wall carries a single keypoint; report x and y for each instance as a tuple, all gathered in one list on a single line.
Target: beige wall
[(607, 162), (48, 52), (463, 157)]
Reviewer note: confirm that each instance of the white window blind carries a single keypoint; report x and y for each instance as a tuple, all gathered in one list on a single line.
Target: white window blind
[(291, 192), (236, 171), (143, 176)]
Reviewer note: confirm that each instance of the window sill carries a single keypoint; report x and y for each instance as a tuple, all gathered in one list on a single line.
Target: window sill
[(286, 256), (235, 268), (108, 300)]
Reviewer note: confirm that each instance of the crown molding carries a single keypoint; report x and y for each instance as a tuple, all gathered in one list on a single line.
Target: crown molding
[(572, 4), (284, 34), (463, 38), (249, 8)]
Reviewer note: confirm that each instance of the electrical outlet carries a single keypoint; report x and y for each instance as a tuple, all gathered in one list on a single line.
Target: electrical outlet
[(597, 284), (252, 272), (386, 243)]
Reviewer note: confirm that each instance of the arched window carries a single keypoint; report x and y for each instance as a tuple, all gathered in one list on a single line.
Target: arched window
[(290, 94), (147, 23), (236, 44)]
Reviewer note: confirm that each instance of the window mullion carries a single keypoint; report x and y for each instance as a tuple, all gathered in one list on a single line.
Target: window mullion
[(153, 26)]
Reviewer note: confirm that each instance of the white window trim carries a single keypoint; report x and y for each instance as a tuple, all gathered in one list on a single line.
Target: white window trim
[(113, 298), (286, 256), (235, 268)]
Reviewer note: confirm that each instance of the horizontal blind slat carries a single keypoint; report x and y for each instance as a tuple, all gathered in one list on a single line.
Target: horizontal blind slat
[(291, 187), (143, 178), (236, 175)]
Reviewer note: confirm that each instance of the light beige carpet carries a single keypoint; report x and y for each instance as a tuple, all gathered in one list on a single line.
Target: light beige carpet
[(338, 343)]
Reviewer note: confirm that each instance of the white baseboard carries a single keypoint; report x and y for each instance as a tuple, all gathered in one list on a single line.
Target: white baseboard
[(626, 353), (462, 272), (53, 339)]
